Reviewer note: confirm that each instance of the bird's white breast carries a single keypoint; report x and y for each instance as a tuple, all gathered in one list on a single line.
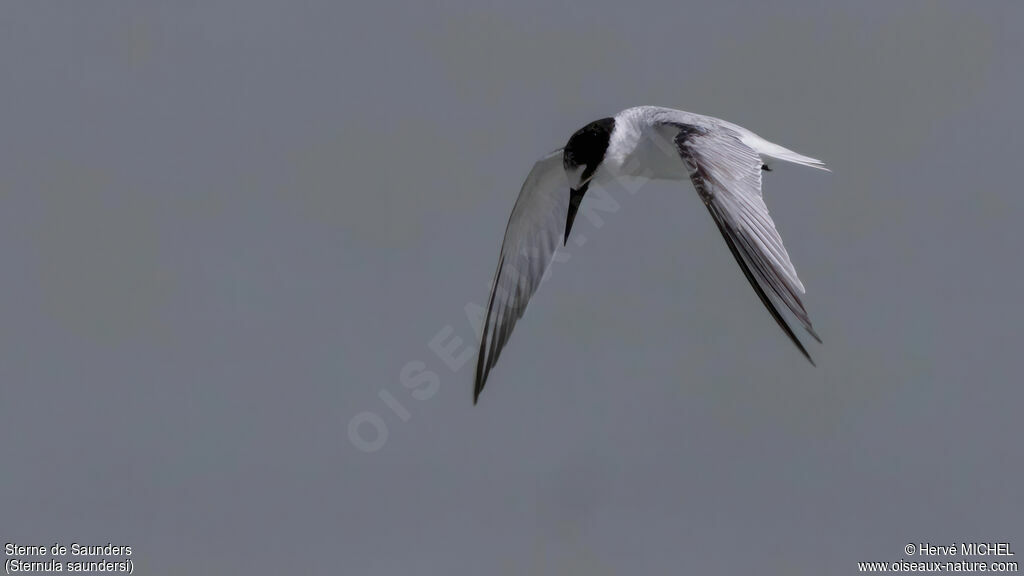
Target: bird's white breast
[(640, 147)]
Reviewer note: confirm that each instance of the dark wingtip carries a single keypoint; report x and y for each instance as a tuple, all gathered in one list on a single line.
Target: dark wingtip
[(481, 355), (792, 336), (803, 350), (478, 387), (481, 378), (482, 370)]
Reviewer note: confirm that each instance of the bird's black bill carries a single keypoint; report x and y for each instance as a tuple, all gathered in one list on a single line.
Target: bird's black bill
[(575, 197)]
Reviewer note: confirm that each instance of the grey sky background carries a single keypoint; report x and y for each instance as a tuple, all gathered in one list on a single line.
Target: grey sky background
[(227, 227)]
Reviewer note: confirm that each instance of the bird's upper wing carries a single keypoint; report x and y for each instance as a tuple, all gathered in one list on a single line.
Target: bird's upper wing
[(727, 175), (534, 230)]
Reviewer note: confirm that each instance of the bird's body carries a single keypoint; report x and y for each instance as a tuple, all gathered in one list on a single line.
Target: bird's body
[(722, 160), (634, 147)]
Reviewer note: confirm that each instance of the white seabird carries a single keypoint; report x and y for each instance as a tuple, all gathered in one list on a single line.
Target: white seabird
[(722, 160)]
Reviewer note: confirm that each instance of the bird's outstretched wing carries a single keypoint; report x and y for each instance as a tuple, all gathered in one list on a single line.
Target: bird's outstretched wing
[(534, 230), (727, 175)]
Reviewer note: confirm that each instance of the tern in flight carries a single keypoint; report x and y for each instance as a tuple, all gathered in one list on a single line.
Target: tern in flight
[(722, 160)]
